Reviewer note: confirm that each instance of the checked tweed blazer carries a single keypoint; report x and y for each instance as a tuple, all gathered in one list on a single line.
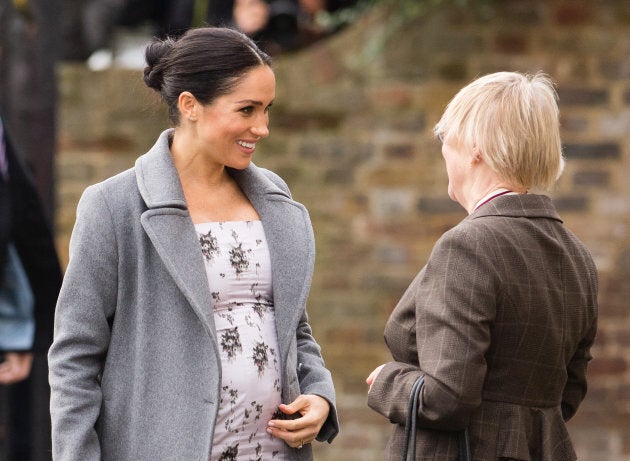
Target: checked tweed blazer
[(500, 321)]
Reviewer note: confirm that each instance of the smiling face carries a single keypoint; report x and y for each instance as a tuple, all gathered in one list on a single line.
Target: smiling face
[(228, 129)]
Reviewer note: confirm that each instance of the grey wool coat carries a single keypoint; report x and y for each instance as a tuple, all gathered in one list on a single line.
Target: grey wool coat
[(135, 371), (500, 321)]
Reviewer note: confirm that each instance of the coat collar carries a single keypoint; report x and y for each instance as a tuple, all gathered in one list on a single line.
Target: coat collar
[(286, 224), (518, 206), (160, 186)]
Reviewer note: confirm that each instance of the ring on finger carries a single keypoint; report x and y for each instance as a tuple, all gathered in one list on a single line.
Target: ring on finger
[(300, 445)]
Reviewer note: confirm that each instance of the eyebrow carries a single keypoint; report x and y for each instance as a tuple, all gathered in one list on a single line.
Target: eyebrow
[(251, 101)]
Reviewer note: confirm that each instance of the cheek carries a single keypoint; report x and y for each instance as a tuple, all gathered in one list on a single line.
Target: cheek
[(220, 131), (454, 172)]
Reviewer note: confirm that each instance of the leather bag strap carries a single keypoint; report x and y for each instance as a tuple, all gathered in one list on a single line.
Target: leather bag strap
[(409, 447)]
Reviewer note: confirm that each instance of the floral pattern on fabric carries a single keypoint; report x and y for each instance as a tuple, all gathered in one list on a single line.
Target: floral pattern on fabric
[(231, 342), (209, 247), (238, 266)]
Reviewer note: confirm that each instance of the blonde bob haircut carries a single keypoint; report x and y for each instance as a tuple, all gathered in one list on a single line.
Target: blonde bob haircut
[(512, 119)]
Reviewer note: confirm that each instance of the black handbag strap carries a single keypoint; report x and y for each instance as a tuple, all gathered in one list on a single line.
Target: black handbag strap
[(410, 425), (464, 446), (409, 447)]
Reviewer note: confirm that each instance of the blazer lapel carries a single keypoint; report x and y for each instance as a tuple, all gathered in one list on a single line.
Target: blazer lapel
[(291, 246), (170, 229)]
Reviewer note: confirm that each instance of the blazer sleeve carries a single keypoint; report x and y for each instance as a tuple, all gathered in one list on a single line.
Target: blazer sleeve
[(576, 385), (450, 306), (82, 331), (575, 388)]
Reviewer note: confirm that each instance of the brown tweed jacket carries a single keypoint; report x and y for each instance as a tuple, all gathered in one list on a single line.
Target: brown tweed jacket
[(500, 321)]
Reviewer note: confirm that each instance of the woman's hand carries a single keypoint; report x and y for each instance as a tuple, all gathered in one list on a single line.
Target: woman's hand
[(16, 367), (370, 379), (298, 432)]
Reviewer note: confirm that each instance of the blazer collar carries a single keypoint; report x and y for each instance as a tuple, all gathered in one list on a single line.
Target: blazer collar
[(518, 206)]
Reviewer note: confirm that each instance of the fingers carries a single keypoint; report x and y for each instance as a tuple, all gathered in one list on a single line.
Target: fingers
[(304, 429), (303, 442), (370, 379), (295, 439), (6, 375), (16, 367), (298, 405)]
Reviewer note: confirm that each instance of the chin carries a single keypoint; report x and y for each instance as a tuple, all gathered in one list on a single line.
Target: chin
[(240, 165)]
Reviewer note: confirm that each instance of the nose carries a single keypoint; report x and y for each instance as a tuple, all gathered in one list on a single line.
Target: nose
[(261, 127)]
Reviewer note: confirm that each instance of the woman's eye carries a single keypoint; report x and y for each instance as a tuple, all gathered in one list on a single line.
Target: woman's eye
[(247, 110)]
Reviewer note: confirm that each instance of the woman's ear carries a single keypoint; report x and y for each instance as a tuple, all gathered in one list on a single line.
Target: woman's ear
[(188, 105), (476, 156)]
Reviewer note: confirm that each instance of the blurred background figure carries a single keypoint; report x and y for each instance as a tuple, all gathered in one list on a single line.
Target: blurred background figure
[(273, 25), (321, 18), (29, 48), (90, 25), (30, 279), (219, 13), (115, 32), (281, 25), (168, 17)]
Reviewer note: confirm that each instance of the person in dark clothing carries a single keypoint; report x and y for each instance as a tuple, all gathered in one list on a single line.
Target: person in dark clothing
[(24, 227), (272, 24), (29, 51), (171, 18)]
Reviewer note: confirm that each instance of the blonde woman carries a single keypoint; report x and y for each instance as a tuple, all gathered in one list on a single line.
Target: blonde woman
[(501, 319)]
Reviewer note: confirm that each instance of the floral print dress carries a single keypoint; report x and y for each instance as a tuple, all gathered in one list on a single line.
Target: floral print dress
[(239, 275)]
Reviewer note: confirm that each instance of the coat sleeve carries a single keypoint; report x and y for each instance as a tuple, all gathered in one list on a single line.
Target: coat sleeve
[(450, 306), (315, 378), (82, 331), (313, 375)]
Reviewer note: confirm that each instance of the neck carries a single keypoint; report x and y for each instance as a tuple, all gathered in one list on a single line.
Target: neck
[(482, 182), (193, 168), (492, 192)]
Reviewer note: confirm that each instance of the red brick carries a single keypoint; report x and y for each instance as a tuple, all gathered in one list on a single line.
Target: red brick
[(572, 13), (607, 366), (511, 43), (392, 95), (400, 151)]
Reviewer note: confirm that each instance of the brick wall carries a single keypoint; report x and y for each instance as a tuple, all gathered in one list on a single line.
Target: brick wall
[(351, 134)]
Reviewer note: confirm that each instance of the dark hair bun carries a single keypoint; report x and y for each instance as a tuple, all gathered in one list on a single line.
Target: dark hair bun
[(154, 55), (207, 62)]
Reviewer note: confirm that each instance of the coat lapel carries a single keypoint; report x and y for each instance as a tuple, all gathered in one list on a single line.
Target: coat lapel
[(170, 229), (291, 246)]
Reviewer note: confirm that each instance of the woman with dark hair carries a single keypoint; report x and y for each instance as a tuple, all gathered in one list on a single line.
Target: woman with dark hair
[(181, 331)]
